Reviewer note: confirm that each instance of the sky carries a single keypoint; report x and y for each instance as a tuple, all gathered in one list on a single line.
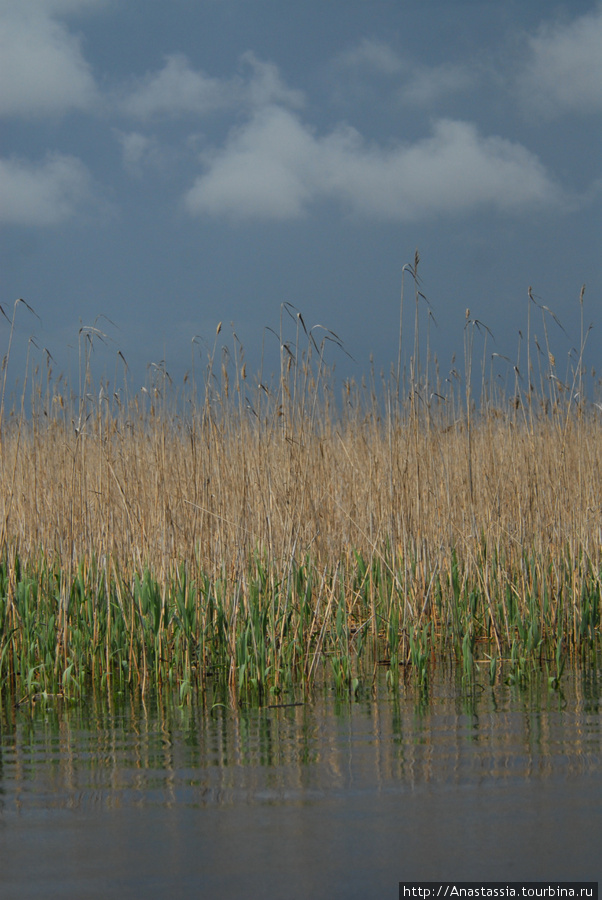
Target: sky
[(167, 166)]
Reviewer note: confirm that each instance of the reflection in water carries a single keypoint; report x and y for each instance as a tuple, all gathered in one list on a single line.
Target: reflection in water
[(321, 773), (157, 753)]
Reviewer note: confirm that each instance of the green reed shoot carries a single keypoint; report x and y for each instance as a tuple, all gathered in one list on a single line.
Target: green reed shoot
[(257, 536)]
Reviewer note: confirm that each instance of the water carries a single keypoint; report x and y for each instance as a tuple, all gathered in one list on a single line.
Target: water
[(324, 800)]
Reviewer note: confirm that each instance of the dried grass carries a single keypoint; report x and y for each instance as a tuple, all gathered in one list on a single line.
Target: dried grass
[(415, 505)]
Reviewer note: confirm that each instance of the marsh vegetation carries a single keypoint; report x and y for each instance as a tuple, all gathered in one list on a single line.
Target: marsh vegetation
[(264, 535)]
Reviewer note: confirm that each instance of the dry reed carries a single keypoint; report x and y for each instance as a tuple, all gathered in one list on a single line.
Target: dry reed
[(251, 532)]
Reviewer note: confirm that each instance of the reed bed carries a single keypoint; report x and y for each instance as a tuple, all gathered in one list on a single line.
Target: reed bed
[(260, 537)]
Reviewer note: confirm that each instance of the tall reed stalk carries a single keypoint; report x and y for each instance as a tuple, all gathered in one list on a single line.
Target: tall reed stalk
[(265, 535)]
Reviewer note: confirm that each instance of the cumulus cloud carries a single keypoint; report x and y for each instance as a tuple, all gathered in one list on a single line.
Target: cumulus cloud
[(42, 68), (407, 81), (275, 167), (266, 86), (175, 90), (564, 70), (43, 193), (179, 90), (264, 170)]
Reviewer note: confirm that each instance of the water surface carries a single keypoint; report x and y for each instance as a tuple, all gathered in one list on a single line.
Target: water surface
[(329, 798)]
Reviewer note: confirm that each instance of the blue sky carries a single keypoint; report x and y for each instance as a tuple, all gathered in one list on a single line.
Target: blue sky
[(165, 166)]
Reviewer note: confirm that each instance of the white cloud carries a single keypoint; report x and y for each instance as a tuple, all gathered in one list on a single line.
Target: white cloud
[(410, 82), (262, 172), (266, 86), (564, 72), (179, 90), (454, 170), (43, 193), (275, 167), (42, 69), (175, 90)]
